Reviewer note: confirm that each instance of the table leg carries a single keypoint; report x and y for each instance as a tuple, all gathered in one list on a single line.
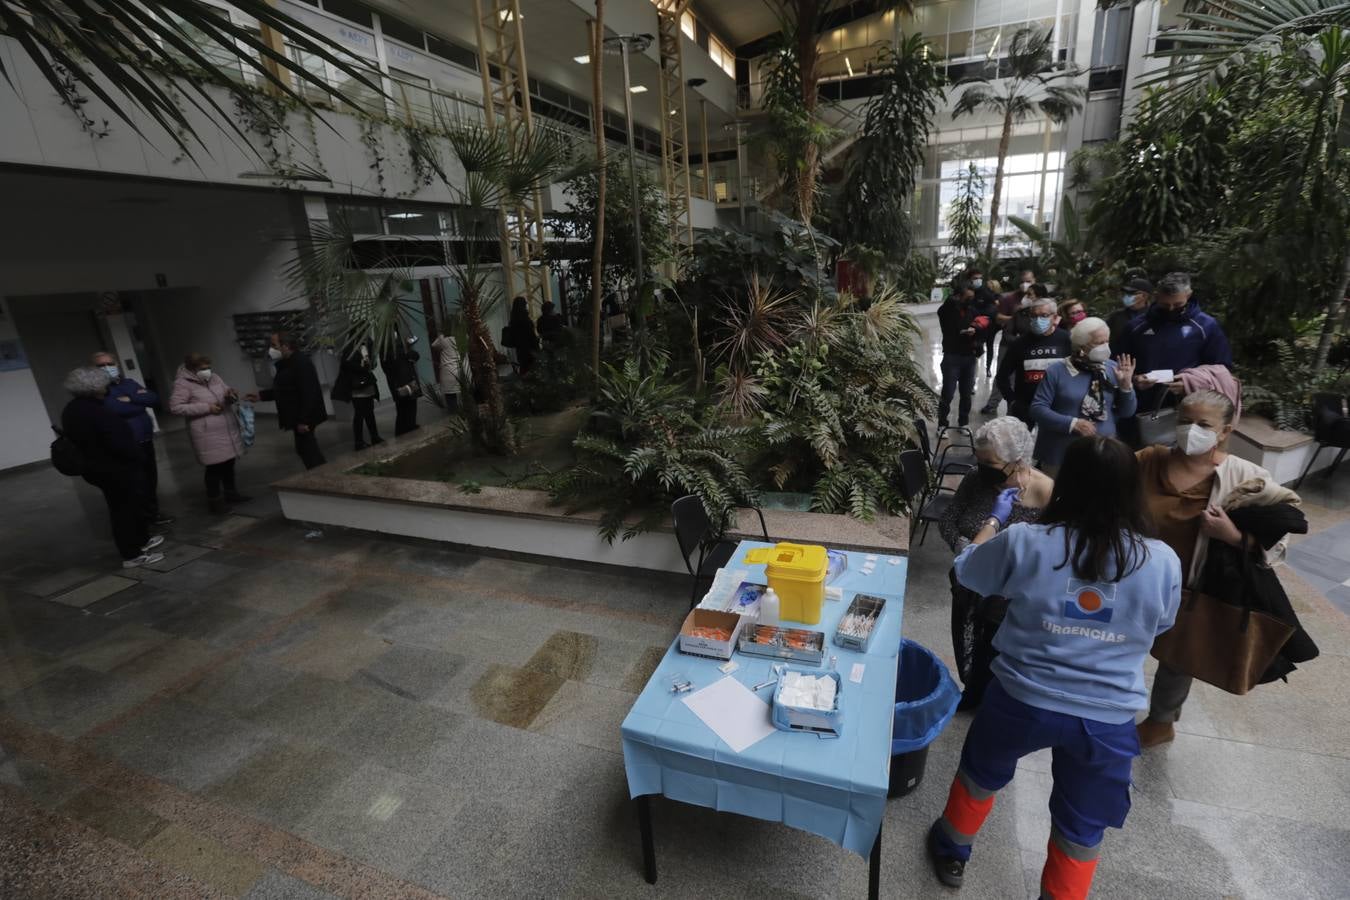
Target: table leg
[(648, 846), (874, 869)]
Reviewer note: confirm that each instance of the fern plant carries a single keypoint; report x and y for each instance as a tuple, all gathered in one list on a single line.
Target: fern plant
[(839, 406), (649, 442), (1283, 390)]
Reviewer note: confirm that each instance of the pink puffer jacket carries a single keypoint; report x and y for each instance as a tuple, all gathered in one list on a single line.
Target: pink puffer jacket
[(215, 436)]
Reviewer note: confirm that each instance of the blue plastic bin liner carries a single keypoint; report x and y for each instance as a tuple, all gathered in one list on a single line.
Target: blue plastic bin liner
[(925, 699)]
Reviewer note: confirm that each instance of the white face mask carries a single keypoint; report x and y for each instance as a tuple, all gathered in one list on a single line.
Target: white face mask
[(977, 282), (112, 371), (204, 375), (1196, 439), (273, 353), (1100, 353)]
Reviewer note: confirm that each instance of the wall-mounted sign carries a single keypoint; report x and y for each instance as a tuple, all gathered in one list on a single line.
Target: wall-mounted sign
[(356, 38)]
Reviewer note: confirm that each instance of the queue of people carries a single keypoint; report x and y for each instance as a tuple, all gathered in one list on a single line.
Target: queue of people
[(1077, 556)]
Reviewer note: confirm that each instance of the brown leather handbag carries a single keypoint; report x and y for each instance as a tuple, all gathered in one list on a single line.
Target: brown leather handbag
[(1224, 643)]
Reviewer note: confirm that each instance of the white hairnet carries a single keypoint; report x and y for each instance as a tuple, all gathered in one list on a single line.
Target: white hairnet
[(1082, 333), (1008, 438)]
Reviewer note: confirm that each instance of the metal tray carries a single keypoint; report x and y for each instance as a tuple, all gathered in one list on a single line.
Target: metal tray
[(866, 608), (777, 642)]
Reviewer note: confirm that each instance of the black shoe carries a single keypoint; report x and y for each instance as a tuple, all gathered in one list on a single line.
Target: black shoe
[(949, 870), (361, 445), (236, 497), (376, 441)]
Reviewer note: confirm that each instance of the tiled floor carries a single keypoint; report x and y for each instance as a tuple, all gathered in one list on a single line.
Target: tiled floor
[(269, 717)]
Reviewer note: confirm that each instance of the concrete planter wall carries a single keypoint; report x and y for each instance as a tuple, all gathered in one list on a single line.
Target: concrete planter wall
[(1281, 453), (522, 521)]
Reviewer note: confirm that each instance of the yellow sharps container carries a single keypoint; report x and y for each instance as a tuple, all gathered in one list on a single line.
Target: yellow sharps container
[(797, 575)]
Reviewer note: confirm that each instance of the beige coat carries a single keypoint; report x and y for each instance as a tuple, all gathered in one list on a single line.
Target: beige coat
[(1241, 483)]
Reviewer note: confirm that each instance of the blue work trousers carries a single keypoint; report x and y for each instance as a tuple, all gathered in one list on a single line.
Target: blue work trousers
[(1091, 765)]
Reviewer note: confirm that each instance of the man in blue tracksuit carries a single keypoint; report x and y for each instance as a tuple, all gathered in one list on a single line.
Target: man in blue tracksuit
[(1173, 334), (130, 400)]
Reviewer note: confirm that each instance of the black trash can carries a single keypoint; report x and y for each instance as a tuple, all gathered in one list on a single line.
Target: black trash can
[(925, 701)]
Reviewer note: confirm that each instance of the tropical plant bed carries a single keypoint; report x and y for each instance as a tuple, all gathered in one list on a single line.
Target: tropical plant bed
[(452, 458), (526, 521)]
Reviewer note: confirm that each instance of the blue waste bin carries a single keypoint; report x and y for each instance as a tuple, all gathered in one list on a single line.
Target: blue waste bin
[(925, 701)]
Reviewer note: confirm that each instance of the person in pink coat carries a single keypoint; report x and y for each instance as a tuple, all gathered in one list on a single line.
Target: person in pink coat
[(208, 404)]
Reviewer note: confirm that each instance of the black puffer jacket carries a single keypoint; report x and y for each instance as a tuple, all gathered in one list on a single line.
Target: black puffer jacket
[(297, 393), (1234, 576)]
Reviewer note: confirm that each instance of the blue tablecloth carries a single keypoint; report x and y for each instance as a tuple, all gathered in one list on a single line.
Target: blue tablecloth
[(832, 787)]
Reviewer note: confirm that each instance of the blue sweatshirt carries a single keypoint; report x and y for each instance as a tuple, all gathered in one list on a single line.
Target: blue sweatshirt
[(1159, 342), (1066, 645), (1058, 400), (133, 408)]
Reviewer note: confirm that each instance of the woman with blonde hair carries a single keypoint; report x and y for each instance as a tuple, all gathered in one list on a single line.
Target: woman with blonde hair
[(1189, 490)]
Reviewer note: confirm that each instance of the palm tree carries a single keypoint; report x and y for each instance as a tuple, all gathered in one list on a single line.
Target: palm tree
[(601, 161), (1030, 84), (121, 51), (354, 298), (801, 23)]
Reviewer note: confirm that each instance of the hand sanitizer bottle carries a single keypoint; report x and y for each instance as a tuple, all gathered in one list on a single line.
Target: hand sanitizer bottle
[(768, 608)]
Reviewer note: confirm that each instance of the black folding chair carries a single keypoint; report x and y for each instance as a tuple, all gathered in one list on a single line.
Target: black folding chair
[(1331, 428), (954, 459), (694, 533)]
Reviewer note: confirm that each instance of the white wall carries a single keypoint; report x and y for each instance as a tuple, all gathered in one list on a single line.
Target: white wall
[(26, 435), (219, 251)]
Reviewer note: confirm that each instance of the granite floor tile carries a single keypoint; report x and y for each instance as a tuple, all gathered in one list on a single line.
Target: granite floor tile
[(511, 696), (147, 605), (196, 577), (274, 885), (312, 708), (113, 817), (93, 591), (640, 672), (40, 784), (1300, 786), (166, 664), (72, 699), (116, 647), (280, 589), (399, 734), (21, 667), (215, 623), (566, 654), (335, 651), (60, 580), (239, 686), (208, 861), (60, 635), (178, 554), (585, 714), (184, 744), (359, 607), (284, 782), (1327, 567), (411, 672), (384, 818)]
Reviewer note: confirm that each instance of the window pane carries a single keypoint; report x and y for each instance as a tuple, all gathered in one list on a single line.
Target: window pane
[(688, 26)]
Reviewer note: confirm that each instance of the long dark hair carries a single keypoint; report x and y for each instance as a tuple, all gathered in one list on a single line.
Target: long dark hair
[(1099, 503)]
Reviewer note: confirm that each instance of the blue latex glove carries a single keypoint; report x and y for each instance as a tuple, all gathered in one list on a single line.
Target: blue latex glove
[(1003, 505)]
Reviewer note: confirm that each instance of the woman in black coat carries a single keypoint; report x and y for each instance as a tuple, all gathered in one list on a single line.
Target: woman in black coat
[(356, 385)]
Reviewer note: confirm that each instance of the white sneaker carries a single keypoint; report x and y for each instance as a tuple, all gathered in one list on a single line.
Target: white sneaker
[(145, 559), (153, 543)]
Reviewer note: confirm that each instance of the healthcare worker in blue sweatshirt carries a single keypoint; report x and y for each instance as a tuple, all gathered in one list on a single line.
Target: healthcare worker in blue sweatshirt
[(128, 399), (1173, 334), (1087, 594)]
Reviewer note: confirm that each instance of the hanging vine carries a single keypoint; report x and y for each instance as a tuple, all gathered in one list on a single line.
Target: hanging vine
[(265, 116), (424, 163), (312, 136), (68, 89), (374, 144)]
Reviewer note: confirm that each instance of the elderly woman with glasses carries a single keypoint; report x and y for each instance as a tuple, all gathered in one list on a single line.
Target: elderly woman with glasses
[(1003, 450)]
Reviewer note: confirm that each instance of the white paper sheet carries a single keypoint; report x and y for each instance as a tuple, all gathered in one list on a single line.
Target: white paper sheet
[(733, 712), (1161, 376)]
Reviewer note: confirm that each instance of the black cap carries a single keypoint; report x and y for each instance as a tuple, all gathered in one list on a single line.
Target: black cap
[(1136, 285)]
